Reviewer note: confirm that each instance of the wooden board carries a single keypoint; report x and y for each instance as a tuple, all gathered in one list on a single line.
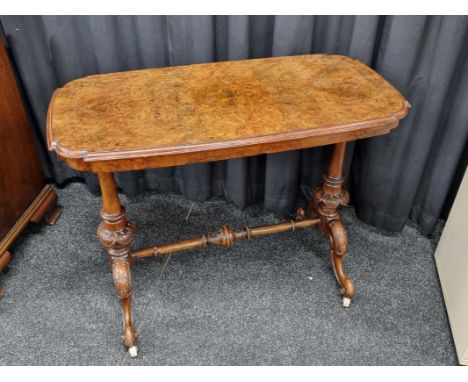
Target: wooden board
[(222, 110), (21, 176), (24, 194)]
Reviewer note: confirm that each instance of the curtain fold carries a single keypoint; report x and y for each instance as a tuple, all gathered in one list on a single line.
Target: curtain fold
[(406, 174)]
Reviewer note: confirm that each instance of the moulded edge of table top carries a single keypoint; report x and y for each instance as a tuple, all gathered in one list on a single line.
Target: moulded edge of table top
[(163, 156), (126, 160)]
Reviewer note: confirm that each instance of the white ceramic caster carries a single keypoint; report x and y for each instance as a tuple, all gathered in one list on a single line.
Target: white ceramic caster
[(346, 302), (133, 351)]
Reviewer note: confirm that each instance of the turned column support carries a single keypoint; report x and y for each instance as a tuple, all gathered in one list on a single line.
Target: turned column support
[(116, 233), (325, 203)]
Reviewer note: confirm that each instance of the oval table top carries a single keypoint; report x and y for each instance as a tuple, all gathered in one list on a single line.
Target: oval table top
[(196, 113)]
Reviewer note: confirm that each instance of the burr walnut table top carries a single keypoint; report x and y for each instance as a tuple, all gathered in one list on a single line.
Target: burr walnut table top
[(197, 113)]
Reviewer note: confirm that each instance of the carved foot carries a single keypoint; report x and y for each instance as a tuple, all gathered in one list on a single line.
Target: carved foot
[(339, 249)]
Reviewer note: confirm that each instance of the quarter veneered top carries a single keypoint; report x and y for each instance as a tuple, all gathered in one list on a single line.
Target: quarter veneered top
[(195, 106)]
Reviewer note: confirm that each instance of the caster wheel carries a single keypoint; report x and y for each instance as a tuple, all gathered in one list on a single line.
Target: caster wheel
[(346, 302), (133, 351)]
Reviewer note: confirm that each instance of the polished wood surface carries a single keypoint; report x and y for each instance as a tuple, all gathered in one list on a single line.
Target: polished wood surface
[(198, 113), (44, 206), (24, 194), (21, 175), (325, 204), (169, 116), (116, 234), (226, 236)]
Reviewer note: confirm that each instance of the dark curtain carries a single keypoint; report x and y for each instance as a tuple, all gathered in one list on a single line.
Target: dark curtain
[(406, 174)]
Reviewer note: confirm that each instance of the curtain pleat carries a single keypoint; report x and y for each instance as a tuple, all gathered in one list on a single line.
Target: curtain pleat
[(405, 174)]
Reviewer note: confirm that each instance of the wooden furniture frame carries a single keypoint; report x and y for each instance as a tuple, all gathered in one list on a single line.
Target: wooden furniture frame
[(198, 113), (24, 194)]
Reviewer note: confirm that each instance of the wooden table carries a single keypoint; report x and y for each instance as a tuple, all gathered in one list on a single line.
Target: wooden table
[(197, 113)]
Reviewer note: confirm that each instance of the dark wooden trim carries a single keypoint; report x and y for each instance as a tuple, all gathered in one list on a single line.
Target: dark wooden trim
[(5, 258), (44, 206)]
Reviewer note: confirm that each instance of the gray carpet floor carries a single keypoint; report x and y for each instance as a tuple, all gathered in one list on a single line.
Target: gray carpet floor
[(267, 301)]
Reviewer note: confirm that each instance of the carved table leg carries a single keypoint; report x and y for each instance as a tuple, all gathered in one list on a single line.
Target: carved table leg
[(116, 234), (326, 202)]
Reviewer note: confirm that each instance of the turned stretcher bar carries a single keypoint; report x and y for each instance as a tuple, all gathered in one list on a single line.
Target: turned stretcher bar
[(226, 236)]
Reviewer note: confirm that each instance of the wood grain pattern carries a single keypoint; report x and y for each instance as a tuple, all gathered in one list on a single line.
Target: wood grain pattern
[(236, 108)]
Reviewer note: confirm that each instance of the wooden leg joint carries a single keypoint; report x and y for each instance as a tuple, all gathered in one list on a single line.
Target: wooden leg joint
[(326, 205), (115, 232)]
